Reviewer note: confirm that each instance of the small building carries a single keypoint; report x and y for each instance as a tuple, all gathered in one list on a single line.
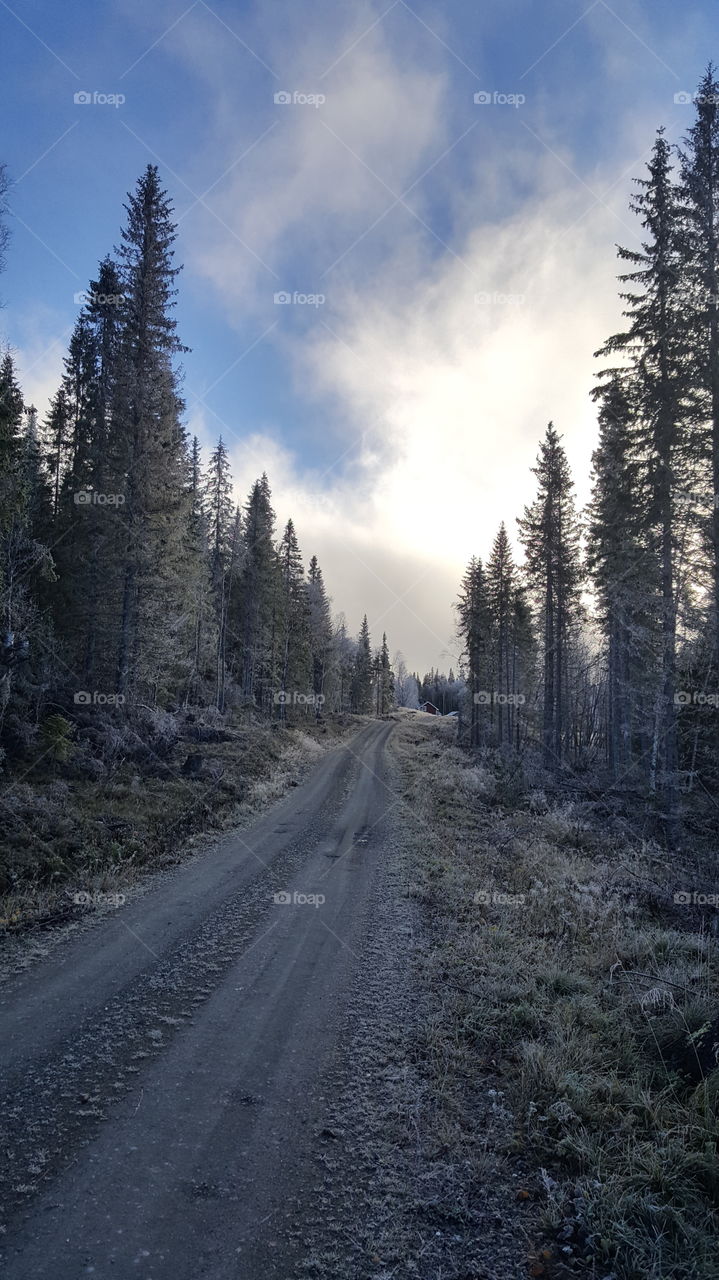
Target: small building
[(430, 708)]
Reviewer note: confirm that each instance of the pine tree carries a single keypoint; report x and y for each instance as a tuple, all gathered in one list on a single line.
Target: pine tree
[(256, 600), (295, 643), (88, 529), (57, 432), (550, 534), (11, 413), (474, 626), (501, 582), (656, 342), (361, 696), (203, 625), (700, 182), (26, 564), (321, 639), (384, 679), (624, 576), (345, 657), (146, 420), (220, 530)]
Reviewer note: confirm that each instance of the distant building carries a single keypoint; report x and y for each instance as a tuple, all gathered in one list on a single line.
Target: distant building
[(430, 708)]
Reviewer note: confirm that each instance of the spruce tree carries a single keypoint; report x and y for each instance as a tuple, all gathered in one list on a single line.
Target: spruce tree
[(295, 641), (501, 582), (656, 342), (220, 528), (254, 612), (321, 638), (700, 192), (474, 626), (146, 423), (361, 696), (549, 531)]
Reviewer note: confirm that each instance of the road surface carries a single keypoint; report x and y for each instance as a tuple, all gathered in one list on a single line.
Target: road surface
[(165, 1073)]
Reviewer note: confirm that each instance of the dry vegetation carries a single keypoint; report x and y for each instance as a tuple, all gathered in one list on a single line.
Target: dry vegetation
[(574, 985), (113, 797)]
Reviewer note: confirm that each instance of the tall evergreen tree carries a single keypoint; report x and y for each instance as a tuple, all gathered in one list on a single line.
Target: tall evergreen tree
[(320, 618), (384, 679), (656, 342), (501, 583), (221, 527), (550, 534), (255, 601), (295, 641), (474, 626), (146, 420), (700, 180), (362, 677)]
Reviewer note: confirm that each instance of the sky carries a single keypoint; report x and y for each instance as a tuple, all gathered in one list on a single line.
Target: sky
[(398, 224)]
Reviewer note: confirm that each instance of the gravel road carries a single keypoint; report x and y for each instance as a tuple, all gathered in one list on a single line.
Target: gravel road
[(165, 1072)]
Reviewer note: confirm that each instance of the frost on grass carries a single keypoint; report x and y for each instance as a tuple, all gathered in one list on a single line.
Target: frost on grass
[(595, 1000)]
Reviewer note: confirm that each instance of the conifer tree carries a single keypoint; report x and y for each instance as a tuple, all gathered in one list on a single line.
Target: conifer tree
[(255, 601), (384, 679), (146, 422), (501, 582), (656, 342), (700, 193), (550, 534), (295, 642), (362, 677), (474, 626), (321, 640), (220, 531)]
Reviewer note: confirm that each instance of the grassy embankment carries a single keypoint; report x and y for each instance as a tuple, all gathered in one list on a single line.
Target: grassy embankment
[(582, 998), (121, 796)]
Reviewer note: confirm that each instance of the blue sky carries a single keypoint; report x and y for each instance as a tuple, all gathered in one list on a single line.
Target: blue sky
[(464, 250)]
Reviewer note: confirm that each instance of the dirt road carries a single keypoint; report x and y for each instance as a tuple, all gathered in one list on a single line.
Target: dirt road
[(165, 1073)]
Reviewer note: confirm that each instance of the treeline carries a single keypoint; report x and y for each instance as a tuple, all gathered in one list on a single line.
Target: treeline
[(128, 575), (625, 678)]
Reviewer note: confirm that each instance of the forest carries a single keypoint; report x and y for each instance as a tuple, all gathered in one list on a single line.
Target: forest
[(129, 574), (132, 584), (600, 649), (316, 962)]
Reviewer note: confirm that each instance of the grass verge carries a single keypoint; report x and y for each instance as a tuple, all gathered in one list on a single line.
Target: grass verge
[(96, 819), (585, 998)]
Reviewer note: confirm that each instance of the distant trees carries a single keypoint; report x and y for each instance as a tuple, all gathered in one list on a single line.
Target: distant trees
[(405, 684), (496, 635)]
